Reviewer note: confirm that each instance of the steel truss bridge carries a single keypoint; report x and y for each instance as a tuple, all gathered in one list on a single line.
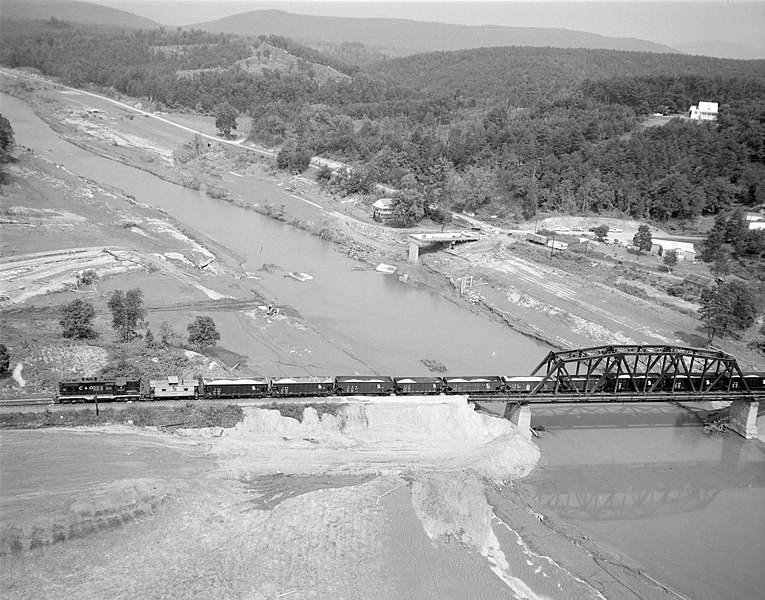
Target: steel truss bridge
[(624, 373)]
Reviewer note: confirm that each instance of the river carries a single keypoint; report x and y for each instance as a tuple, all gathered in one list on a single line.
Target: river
[(387, 325), (643, 481), (657, 494)]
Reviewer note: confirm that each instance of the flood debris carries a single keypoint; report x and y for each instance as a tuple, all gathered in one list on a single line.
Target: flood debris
[(434, 365)]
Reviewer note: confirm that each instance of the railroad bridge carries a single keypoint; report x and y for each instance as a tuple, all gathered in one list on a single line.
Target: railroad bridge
[(626, 373)]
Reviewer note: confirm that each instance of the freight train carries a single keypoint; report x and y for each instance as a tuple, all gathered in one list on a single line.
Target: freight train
[(175, 388)]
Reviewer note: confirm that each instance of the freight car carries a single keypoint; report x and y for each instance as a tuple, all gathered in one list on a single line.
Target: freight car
[(302, 387), (364, 385), (423, 386), (235, 388), (490, 384)]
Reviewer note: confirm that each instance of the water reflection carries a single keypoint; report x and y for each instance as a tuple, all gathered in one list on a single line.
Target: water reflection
[(619, 416)]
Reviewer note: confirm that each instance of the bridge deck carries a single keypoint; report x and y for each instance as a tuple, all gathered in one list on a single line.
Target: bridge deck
[(623, 398), (422, 239)]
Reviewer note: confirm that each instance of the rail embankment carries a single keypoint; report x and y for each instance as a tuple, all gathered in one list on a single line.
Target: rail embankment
[(376, 436)]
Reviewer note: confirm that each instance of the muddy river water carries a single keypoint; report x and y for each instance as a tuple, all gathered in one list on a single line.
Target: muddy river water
[(387, 325), (656, 494), (644, 483)]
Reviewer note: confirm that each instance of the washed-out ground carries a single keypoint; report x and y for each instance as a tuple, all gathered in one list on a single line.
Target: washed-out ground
[(382, 501)]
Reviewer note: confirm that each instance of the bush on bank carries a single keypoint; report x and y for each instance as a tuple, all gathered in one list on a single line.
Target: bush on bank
[(296, 410), (189, 416)]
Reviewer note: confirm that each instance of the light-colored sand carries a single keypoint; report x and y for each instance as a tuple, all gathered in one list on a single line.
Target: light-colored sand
[(395, 508)]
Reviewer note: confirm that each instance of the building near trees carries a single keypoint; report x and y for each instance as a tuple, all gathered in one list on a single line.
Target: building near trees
[(705, 111), (684, 250), (383, 209)]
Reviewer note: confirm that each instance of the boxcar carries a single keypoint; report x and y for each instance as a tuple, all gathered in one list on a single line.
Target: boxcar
[(379, 385), (256, 387), (418, 385), (302, 386), (490, 384), (173, 388), (90, 389)]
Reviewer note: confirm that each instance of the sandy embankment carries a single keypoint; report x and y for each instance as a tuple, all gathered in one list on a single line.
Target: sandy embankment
[(385, 500)]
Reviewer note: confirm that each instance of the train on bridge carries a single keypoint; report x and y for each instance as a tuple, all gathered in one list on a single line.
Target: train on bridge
[(562, 387)]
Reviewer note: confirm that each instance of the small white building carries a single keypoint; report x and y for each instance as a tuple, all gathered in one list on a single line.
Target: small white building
[(684, 250), (705, 111), (383, 209), (755, 220)]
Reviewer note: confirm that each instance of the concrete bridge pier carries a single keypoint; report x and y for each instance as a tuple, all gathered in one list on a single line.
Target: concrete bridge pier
[(414, 252), (743, 418), (520, 416)]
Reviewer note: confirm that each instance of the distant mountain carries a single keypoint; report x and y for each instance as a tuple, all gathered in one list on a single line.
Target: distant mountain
[(413, 36), (73, 12), (722, 50)]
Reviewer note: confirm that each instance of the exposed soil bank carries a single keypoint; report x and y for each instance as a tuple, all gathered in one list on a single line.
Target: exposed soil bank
[(404, 501)]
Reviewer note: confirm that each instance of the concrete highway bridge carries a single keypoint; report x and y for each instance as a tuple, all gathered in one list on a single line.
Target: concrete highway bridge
[(634, 373)]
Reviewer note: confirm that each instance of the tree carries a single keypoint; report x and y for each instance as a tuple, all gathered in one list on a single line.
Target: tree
[(670, 259), (642, 240), (169, 337), (6, 145), (408, 207), (77, 319), (6, 139), (715, 240), (727, 309), (225, 119), (127, 312), (601, 232), (203, 333), (293, 158), (5, 361)]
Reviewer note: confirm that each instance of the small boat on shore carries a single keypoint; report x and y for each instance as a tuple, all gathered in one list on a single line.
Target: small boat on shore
[(383, 268), (299, 276)]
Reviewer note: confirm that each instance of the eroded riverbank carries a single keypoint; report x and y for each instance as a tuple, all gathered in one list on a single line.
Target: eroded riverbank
[(399, 507)]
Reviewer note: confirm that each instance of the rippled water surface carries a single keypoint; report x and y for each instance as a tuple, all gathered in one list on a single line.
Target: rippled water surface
[(647, 483)]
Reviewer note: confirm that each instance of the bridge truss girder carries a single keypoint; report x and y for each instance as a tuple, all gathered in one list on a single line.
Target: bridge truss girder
[(705, 369)]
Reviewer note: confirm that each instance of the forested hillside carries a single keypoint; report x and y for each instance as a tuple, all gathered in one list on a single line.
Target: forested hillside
[(506, 131), (524, 76)]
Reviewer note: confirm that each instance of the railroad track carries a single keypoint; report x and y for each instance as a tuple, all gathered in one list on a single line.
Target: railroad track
[(36, 401)]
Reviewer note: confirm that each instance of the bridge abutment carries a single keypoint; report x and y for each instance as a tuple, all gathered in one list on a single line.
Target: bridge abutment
[(743, 418), (520, 416)]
